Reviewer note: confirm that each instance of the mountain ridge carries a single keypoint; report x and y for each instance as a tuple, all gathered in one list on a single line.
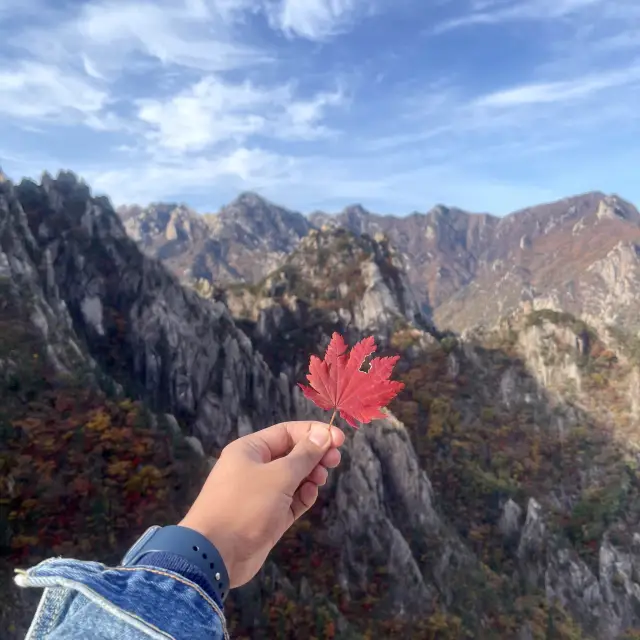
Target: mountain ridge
[(464, 268), (499, 498)]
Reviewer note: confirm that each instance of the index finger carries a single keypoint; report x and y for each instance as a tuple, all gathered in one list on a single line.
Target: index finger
[(277, 441)]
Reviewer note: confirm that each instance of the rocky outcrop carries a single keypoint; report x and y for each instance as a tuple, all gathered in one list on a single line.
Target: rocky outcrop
[(551, 352), (474, 269), (438, 247), (333, 281), (613, 207), (225, 363), (188, 358), (244, 241), (605, 601), (383, 502), (465, 269), (183, 353), (27, 281)]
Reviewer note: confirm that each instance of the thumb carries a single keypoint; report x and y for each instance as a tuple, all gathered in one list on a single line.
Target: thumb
[(305, 456)]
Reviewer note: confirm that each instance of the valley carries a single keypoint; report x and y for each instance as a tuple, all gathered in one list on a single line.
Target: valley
[(500, 498)]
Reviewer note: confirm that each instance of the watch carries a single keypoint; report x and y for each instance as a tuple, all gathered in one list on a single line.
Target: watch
[(194, 548)]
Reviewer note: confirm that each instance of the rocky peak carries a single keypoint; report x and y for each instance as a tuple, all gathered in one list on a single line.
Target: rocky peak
[(455, 260), (552, 251), (612, 207), (251, 199), (334, 281), (89, 288), (242, 242), (439, 211), (161, 223), (367, 271), (263, 221), (356, 218)]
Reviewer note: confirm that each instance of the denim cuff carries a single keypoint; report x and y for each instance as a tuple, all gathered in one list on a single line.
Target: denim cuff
[(177, 564)]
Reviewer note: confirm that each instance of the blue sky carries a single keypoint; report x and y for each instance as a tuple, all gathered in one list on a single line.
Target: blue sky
[(490, 105)]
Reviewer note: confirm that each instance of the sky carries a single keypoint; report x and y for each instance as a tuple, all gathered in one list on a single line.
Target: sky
[(488, 105)]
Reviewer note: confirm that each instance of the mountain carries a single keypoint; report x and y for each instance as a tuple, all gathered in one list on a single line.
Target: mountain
[(440, 247), (578, 254), (220, 247), (498, 499), (333, 281), (103, 317)]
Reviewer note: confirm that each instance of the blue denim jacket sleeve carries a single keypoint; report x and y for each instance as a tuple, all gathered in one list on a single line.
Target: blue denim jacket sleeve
[(91, 600)]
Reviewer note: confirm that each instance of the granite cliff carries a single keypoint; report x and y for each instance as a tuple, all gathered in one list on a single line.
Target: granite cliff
[(578, 254), (220, 247), (498, 499)]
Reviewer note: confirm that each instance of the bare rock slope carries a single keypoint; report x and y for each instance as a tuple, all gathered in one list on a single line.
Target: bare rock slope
[(499, 499)]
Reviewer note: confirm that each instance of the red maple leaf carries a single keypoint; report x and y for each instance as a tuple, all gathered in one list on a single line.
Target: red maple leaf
[(338, 383)]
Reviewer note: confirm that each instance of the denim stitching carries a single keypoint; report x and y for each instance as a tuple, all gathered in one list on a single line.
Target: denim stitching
[(187, 583), (82, 588)]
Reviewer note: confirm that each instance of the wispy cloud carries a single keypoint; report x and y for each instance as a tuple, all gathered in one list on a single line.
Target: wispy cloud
[(213, 111), (499, 11), (209, 112), (189, 33), (36, 91), (322, 101), (315, 19), (158, 75), (558, 92), (303, 119)]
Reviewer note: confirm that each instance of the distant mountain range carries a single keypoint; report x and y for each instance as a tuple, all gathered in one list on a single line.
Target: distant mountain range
[(579, 254)]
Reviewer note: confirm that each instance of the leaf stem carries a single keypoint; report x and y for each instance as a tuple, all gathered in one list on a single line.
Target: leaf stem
[(333, 415)]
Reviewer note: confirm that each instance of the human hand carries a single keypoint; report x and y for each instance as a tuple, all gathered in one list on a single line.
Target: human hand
[(260, 485)]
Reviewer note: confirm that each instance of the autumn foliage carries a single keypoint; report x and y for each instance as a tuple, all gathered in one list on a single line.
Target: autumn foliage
[(81, 474)]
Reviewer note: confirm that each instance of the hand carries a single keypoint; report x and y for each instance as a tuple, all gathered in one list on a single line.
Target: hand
[(261, 484)]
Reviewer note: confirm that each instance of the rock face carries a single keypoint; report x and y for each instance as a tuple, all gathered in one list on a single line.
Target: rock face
[(498, 499), (465, 269), (440, 247), (333, 281), (96, 295), (604, 600), (184, 354), (221, 247), (473, 269)]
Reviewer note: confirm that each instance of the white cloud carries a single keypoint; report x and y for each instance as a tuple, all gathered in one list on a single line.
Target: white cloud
[(92, 74), (209, 112), (514, 124), (498, 11), (302, 119), (197, 106), (170, 34), (213, 111), (196, 34), (557, 92), (155, 180), (314, 19), (35, 91)]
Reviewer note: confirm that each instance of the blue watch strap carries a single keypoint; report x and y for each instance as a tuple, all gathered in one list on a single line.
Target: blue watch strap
[(195, 548)]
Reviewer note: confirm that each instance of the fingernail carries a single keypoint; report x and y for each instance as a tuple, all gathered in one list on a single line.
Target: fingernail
[(319, 435)]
